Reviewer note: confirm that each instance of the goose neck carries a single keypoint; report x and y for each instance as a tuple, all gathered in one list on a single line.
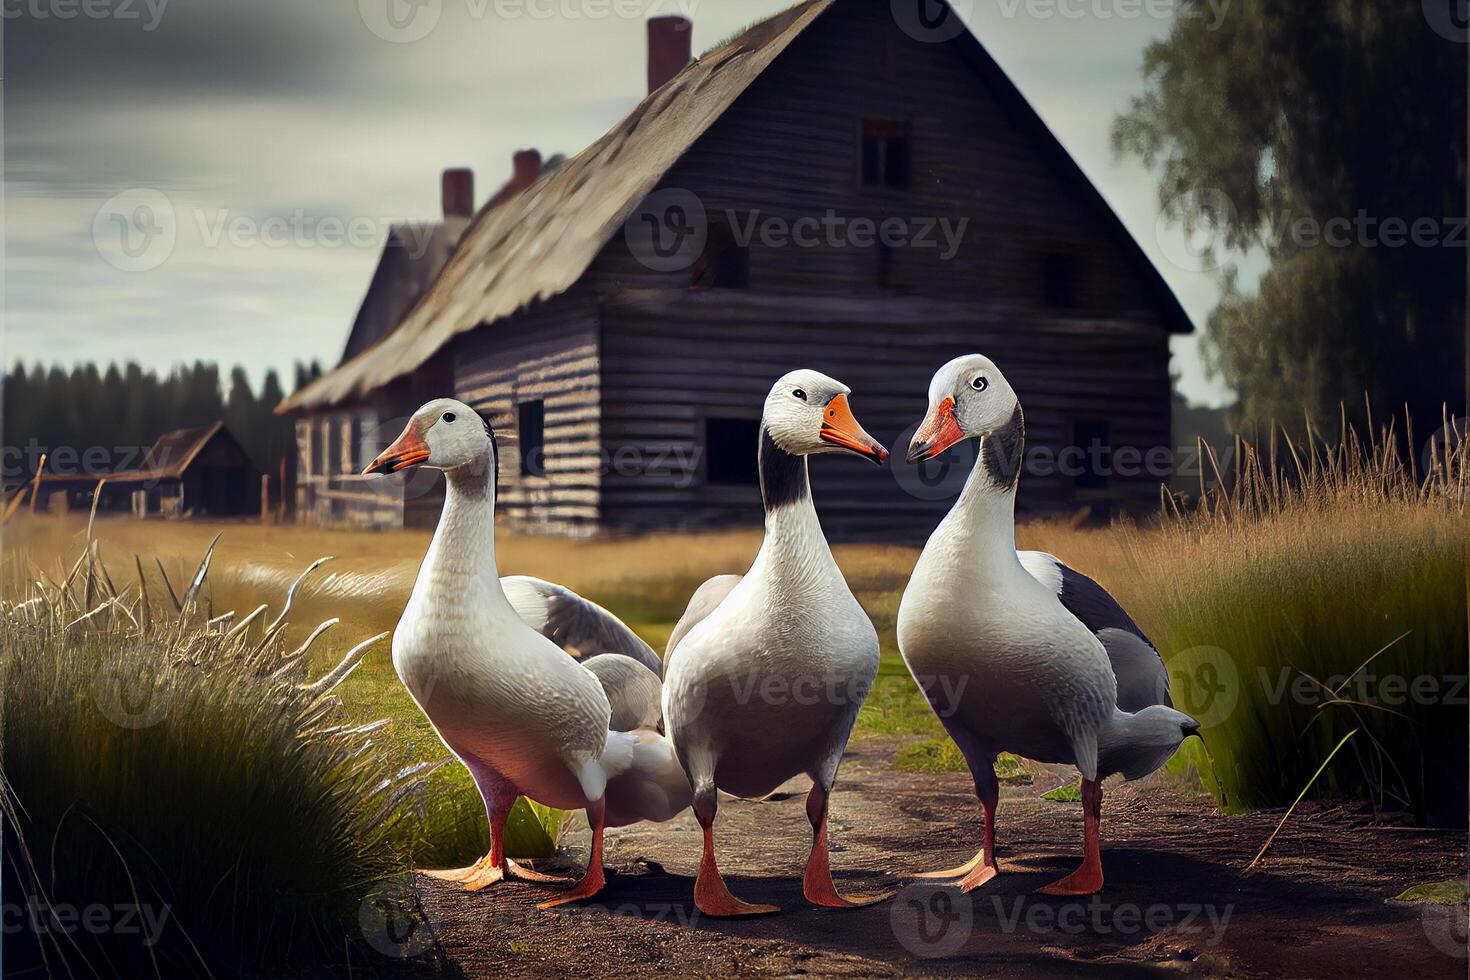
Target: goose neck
[(794, 542), (983, 519), (463, 548)]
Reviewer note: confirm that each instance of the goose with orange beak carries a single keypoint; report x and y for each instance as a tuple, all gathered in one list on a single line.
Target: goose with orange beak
[(765, 672), (486, 660), (1015, 651)]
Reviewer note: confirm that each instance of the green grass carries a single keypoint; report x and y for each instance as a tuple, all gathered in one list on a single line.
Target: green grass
[(1070, 793), (935, 755), (166, 765), (1259, 590), (930, 755), (1452, 892), (448, 827)]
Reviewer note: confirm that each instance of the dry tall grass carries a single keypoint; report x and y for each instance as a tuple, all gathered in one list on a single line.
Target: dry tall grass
[(1321, 590), (188, 772)]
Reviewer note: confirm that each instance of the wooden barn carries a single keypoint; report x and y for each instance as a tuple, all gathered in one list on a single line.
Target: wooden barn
[(622, 318), (200, 472)]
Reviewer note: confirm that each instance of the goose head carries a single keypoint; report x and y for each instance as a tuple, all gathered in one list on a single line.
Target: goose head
[(1164, 727), (968, 398), (442, 435), (807, 414)]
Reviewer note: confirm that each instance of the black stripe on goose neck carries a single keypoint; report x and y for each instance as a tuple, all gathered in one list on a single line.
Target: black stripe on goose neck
[(494, 445), (783, 476), (1001, 451)]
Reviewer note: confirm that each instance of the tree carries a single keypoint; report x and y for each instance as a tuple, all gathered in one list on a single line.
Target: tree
[(1333, 137), (124, 409)]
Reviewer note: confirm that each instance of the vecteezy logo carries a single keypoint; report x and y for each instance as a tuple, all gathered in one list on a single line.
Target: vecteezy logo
[(1205, 684), (134, 692), (932, 921), (934, 21), (1440, 448), (941, 478), (400, 21), (392, 920), (1450, 19), (667, 232), (1446, 927), (135, 231), (1206, 218), (409, 484)]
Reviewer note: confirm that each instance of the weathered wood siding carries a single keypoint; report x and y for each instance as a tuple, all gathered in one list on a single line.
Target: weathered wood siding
[(662, 379), (790, 150), (332, 449), (548, 353)]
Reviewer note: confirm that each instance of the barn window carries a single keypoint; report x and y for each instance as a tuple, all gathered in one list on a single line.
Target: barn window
[(729, 451), (531, 425), (725, 262), (1061, 280), (885, 152), (1095, 459), (356, 461)]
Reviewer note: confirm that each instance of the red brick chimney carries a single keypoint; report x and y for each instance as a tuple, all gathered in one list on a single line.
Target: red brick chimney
[(670, 45), (459, 192), (525, 168)]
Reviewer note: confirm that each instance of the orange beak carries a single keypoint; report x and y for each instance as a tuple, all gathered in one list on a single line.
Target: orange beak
[(841, 429), (939, 431), (408, 450)]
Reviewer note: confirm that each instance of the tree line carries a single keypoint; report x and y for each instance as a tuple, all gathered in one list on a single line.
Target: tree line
[(87, 417), (1333, 137)]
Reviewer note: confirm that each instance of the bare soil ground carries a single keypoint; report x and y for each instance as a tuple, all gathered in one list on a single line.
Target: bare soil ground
[(1176, 901)]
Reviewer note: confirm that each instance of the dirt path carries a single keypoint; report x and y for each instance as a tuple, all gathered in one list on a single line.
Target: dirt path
[(1175, 901)]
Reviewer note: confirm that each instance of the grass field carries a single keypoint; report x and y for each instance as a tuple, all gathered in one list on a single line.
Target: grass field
[(1292, 619)]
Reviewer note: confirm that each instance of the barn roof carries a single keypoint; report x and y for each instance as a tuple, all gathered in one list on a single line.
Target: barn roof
[(168, 458), (539, 244), (412, 257)]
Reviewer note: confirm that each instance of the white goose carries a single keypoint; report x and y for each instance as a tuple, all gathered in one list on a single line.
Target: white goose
[(523, 716), (1017, 652), (766, 672)]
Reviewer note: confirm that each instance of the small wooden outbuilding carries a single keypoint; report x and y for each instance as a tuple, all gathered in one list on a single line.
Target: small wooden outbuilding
[(201, 472)]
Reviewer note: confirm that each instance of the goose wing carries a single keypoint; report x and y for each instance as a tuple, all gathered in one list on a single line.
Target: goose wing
[(1142, 677), (705, 600), (633, 691), (577, 625)]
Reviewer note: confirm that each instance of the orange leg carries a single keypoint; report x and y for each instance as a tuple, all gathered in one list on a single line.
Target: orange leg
[(987, 868), (495, 866), (982, 867), (592, 881), (1088, 879), (817, 883), (490, 868), (711, 896)]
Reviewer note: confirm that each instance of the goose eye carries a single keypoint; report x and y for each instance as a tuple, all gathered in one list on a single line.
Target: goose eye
[(980, 383), (449, 416), (799, 393)]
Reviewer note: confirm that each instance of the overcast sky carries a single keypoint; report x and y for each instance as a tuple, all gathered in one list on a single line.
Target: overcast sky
[(335, 120)]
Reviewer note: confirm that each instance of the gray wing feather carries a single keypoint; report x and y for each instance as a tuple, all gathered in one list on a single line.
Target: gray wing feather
[(632, 689), (704, 601), (1142, 677), (577, 625)]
